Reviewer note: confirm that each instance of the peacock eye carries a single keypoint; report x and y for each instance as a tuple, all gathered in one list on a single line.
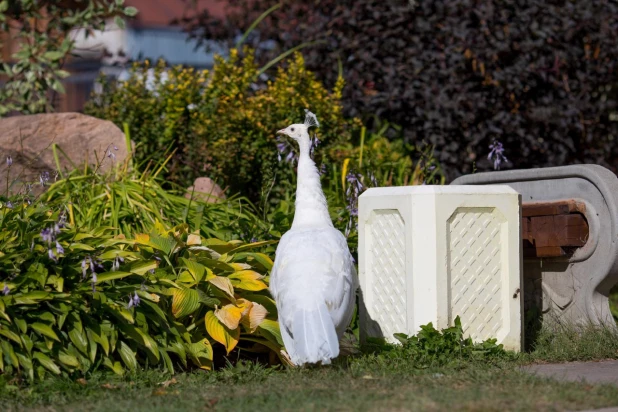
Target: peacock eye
[(292, 129)]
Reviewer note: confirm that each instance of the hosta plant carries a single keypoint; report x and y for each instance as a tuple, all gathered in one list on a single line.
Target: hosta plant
[(75, 299)]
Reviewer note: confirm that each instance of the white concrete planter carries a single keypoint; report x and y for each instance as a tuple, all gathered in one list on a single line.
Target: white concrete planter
[(431, 253)]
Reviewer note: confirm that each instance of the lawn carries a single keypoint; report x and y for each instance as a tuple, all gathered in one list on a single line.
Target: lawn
[(387, 381)]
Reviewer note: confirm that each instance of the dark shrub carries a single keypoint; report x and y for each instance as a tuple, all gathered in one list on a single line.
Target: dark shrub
[(539, 76)]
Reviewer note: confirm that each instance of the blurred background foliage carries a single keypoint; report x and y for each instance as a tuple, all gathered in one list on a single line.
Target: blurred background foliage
[(539, 76)]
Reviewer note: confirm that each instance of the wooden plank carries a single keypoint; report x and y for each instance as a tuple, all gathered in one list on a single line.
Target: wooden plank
[(558, 207), (553, 229)]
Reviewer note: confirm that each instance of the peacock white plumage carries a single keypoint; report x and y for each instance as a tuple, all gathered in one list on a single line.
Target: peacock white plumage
[(313, 280)]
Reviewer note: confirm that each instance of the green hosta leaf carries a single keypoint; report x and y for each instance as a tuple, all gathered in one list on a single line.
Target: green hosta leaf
[(127, 356), (68, 360), (169, 365), (140, 268), (184, 302), (21, 324), (11, 335), (270, 330), (37, 272), (142, 338), (45, 330), (104, 277), (154, 307), (32, 298), (254, 245), (179, 349), (201, 353), (100, 338), (79, 340), (9, 353), (115, 367), (26, 363), (46, 362), (164, 244), (261, 258), (219, 246), (112, 254), (196, 269), (80, 246)]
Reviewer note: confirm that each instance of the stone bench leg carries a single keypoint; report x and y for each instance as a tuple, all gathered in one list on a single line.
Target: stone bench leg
[(573, 288)]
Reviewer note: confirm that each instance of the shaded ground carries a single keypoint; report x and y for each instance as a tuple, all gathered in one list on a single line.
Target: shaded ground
[(590, 372), (373, 384)]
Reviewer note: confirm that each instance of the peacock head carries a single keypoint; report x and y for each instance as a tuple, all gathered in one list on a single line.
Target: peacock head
[(297, 131)]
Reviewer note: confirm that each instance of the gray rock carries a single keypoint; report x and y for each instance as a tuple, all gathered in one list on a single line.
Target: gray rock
[(206, 190), (29, 139)]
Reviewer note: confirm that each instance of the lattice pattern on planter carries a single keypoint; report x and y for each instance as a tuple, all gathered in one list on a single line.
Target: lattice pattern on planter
[(474, 262), (388, 268)]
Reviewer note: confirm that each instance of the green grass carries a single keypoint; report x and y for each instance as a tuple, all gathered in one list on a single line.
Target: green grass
[(387, 381)]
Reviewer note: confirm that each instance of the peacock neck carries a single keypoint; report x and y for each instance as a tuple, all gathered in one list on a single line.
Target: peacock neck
[(311, 206)]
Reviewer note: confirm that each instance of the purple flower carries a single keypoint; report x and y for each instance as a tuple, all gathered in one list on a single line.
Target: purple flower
[(84, 267), (373, 180), (9, 161), (44, 178), (5, 290), (116, 265), (314, 143), (51, 255), (59, 248), (115, 148), (497, 154), (322, 169), (47, 236), (9, 205), (285, 151), (94, 282), (133, 300)]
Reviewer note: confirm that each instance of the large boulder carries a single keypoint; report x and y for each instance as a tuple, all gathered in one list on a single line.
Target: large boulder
[(206, 190), (28, 141)]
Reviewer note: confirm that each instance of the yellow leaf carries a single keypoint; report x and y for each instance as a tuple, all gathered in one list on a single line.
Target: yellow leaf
[(142, 238), (253, 317), (240, 266), (229, 315), (184, 302), (344, 172), (194, 240), (248, 280), (220, 333), (224, 284)]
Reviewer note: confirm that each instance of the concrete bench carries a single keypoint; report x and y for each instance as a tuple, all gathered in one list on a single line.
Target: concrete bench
[(570, 239)]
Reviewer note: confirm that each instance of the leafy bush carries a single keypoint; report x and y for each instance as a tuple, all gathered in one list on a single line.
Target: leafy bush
[(44, 43), (431, 347), (222, 123), (132, 202), (75, 299), (540, 77)]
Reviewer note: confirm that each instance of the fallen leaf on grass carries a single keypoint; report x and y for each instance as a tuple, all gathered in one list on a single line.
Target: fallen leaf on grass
[(82, 381), (159, 392), (109, 386), (368, 377), (172, 381)]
